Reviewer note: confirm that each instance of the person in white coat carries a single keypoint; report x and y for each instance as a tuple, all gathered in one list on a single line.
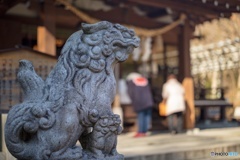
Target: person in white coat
[(173, 95)]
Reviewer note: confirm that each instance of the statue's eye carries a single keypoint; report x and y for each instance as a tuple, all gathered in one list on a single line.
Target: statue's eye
[(126, 35), (114, 32), (131, 32)]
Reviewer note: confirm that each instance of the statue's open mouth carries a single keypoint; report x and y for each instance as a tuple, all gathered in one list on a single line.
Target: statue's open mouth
[(134, 42)]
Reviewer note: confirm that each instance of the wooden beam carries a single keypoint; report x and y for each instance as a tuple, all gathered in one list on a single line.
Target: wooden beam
[(230, 2), (220, 8), (126, 16), (23, 20), (195, 20), (64, 18), (68, 21), (178, 6), (5, 5)]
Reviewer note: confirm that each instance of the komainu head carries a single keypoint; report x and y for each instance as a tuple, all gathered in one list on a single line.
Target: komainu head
[(99, 45)]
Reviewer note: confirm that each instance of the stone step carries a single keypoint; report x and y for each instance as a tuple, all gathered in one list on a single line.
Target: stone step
[(197, 145), (2, 156)]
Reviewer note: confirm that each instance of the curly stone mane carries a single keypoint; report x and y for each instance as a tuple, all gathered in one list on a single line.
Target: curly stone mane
[(90, 51)]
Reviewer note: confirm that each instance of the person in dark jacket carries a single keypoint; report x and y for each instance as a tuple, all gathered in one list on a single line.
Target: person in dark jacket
[(142, 101)]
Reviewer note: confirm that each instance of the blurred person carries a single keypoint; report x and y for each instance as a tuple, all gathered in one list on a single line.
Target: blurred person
[(142, 101), (123, 92), (173, 96)]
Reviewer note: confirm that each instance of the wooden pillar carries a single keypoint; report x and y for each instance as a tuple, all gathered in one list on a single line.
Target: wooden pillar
[(184, 51), (165, 69), (189, 98), (184, 73), (10, 33), (46, 34)]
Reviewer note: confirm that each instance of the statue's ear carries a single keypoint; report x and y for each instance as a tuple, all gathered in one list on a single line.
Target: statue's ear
[(91, 28)]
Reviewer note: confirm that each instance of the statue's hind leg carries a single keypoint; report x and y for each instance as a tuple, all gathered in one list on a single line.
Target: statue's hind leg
[(67, 135)]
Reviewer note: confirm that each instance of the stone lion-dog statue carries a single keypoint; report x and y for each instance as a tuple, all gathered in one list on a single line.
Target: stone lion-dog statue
[(74, 102)]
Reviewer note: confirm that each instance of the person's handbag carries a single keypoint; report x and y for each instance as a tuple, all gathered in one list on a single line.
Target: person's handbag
[(162, 108)]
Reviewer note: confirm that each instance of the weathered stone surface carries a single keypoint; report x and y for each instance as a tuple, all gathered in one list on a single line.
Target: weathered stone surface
[(74, 102)]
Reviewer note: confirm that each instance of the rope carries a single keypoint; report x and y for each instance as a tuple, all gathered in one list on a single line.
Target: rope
[(138, 30)]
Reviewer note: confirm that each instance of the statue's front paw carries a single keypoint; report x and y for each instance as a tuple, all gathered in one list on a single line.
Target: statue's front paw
[(74, 153), (93, 153), (115, 156)]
